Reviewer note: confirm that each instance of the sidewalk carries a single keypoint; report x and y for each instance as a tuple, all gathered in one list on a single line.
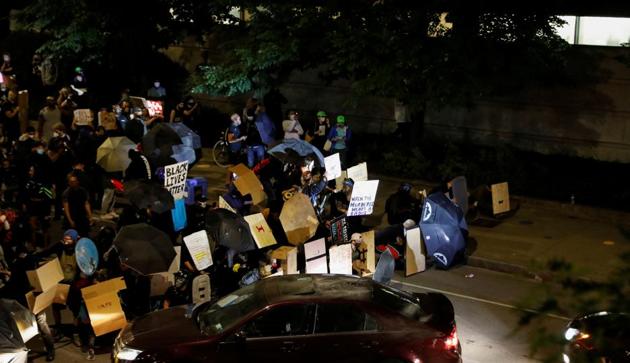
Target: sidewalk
[(589, 238)]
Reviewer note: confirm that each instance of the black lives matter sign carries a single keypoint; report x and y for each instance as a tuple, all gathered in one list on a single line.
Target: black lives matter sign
[(175, 179)]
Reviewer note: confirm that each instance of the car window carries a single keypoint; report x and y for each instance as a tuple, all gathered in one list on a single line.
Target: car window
[(336, 318), (228, 310), (395, 301), (286, 320)]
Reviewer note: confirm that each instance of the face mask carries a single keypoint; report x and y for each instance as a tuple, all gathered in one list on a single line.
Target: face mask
[(40, 151), (6, 58), (79, 79), (56, 134), (156, 84)]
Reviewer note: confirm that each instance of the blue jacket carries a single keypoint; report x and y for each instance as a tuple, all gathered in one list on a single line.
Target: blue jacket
[(266, 128), (333, 133)]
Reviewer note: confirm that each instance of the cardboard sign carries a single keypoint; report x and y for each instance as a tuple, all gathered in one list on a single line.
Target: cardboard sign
[(177, 260), (339, 230), (155, 108), (199, 248), (61, 294), (358, 172), (38, 303), (500, 198), (103, 306), (288, 259), (315, 256), (225, 205), (365, 265), (175, 179), (333, 166), (415, 259), (260, 230), (83, 117), (23, 114), (340, 259), (46, 276), (363, 198), (339, 180), (298, 219), (247, 183)]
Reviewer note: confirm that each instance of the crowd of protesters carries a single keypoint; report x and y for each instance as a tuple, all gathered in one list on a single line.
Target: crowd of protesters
[(49, 175)]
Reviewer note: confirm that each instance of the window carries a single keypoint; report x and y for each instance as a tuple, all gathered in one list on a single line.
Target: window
[(337, 318), (595, 30), (282, 321)]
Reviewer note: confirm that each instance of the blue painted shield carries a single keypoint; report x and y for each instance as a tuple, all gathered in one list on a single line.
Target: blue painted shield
[(87, 256)]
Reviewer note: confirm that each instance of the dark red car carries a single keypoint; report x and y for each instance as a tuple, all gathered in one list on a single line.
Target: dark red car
[(299, 318)]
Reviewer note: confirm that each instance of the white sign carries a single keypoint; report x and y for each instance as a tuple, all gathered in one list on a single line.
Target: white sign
[(175, 179), (363, 198), (341, 259), (225, 205), (83, 116), (333, 166), (315, 256), (358, 172), (155, 108), (199, 248)]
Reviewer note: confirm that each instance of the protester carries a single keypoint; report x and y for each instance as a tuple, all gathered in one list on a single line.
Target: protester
[(292, 127), (76, 205), (320, 130), (49, 116), (402, 206), (234, 138), (340, 136), (157, 92), (10, 116)]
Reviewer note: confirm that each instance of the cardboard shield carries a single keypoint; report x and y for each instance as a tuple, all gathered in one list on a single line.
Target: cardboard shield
[(103, 306), (247, 183), (260, 230), (365, 265), (500, 198), (298, 219), (340, 259), (415, 257), (288, 259)]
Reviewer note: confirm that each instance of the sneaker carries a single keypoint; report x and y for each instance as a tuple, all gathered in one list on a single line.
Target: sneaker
[(90, 355)]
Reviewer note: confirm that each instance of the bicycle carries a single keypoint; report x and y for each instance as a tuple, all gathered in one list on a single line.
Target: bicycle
[(221, 151)]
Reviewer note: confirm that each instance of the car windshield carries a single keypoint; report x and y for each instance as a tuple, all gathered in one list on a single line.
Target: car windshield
[(396, 301), (229, 310)]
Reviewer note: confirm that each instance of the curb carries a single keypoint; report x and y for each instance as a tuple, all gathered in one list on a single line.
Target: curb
[(499, 266)]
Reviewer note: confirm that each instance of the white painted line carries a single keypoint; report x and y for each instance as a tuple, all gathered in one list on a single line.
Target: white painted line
[(496, 303)]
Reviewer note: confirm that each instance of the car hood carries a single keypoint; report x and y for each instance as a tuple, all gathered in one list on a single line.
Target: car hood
[(161, 329)]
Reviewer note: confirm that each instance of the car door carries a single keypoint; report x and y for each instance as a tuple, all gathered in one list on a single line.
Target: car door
[(344, 332), (278, 334)]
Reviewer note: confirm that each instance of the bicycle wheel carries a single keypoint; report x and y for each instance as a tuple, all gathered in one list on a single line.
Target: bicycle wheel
[(220, 154)]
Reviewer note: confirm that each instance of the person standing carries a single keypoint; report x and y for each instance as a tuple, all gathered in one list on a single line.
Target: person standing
[(10, 115), (76, 206), (292, 127), (340, 136), (320, 130), (234, 138), (157, 92), (49, 116)]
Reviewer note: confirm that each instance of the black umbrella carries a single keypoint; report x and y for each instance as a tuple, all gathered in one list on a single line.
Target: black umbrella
[(230, 230), (149, 194), (17, 324), (157, 145), (144, 248)]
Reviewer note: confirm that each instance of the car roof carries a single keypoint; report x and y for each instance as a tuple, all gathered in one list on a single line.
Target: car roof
[(287, 288)]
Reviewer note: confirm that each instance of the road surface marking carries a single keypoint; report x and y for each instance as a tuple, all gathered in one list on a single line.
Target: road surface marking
[(496, 303)]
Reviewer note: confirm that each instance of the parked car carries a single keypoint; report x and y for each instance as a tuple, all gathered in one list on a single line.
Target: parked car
[(299, 318), (602, 337)]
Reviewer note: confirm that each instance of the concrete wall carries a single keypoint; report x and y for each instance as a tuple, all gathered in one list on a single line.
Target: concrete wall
[(585, 121)]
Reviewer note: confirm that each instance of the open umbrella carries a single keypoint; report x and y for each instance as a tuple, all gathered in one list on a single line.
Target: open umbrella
[(184, 153), (230, 230), (113, 154), (188, 136), (149, 194), (17, 325), (442, 224), (157, 145), (144, 248), (298, 219), (301, 147)]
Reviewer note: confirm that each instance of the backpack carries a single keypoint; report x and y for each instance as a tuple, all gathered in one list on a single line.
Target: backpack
[(49, 72)]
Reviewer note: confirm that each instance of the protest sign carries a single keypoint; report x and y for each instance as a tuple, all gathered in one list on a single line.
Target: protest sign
[(176, 261), (46, 276), (358, 172), (288, 259), (298, 219), (340, 259), (247, 183), (339, 230), (225, 205), (260, 230), (315, 256), (415, 259), (199, 249), (333, 166), (500, 198), (155, 108), (363, 198), (83, 117), (365, 265), (103, 306), (340, 179), (175, 179)]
